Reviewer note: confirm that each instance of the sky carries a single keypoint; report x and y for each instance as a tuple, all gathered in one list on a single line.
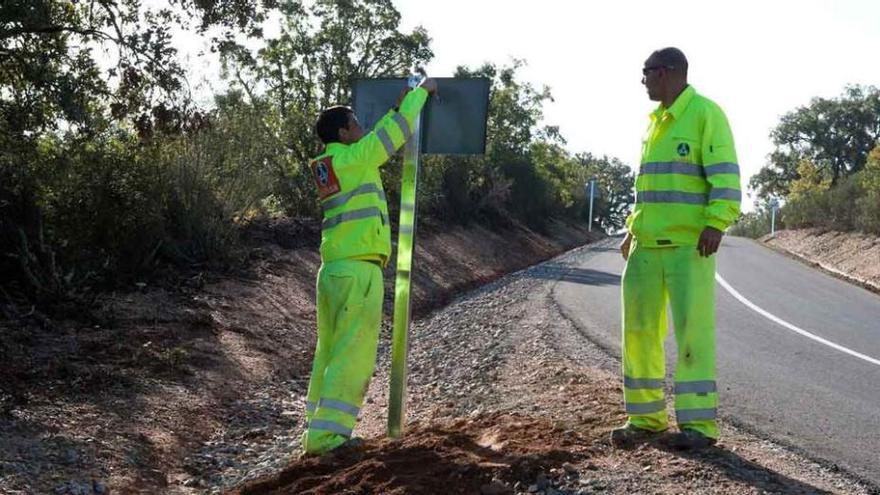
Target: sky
[(758, 60)]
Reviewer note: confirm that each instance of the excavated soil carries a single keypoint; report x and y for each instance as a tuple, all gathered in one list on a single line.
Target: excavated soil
[(462, 456)]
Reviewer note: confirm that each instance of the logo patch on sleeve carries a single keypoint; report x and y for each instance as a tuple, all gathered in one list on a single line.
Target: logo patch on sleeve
[(325, 177)]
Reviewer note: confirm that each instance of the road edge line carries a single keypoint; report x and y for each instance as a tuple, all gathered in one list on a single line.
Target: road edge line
[(770, 316)]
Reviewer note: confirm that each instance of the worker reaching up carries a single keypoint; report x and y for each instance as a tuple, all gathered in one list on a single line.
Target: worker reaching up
[(355, 246)]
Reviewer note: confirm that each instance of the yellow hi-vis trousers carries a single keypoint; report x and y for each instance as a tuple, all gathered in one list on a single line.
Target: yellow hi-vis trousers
[(350, 295), (682, 278)]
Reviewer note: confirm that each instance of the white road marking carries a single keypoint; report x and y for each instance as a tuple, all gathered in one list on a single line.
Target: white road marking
[(733, 292)]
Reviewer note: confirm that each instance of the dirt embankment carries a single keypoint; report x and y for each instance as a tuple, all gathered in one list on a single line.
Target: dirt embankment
[(852, 256), (200, 388), (169, 389)]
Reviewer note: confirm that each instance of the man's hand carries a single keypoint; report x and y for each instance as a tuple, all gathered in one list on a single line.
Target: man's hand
[(429, 84), (624, 246), (710, 239)]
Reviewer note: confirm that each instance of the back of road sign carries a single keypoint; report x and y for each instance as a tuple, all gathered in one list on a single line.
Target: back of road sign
[(454, 120)]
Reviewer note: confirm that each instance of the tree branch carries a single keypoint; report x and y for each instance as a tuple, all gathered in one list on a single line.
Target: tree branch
[(11, 33), (247, 89)]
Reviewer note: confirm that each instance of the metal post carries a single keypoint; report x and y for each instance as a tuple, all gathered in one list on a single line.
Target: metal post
[(774, 205), (405, 247), (592, 194), (773, 220)]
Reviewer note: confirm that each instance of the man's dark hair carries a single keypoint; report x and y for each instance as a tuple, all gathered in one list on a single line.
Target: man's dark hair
[(671, 57), (330, 121)]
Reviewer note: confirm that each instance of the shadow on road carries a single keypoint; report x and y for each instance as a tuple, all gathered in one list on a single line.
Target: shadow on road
[(597, 249), (584, 276)]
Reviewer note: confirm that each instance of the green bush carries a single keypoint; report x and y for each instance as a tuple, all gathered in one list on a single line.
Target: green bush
[(853, 204), (219, 178), (79, 208), (108, 207), (754, 224), (808, 210), (463, 189), (868, 205), (841, 204), (868, 216)]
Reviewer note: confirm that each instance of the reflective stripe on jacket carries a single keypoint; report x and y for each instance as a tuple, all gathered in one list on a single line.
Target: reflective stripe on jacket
[(356, 222), (689, 175)]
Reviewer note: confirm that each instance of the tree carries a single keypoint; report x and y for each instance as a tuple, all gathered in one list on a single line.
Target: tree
[(515, 174), (526, 171), (74, 77), (516, 109), (809, 180), (52, 73), (834, 134), (614, 184), (868, 216)]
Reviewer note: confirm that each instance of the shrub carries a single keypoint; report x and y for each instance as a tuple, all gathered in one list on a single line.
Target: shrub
[(754, 224)]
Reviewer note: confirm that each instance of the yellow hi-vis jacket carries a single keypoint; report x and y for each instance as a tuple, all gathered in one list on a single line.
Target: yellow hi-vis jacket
[(689, 175), (356, 223)]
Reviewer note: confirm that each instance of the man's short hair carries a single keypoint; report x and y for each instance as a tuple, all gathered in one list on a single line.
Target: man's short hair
[(671, 57), (330, 121)]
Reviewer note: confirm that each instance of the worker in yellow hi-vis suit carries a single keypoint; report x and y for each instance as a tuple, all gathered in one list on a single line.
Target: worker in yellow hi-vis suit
[(355, 246), (687, 194)]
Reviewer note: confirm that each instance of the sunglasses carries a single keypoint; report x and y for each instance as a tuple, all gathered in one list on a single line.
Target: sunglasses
[(647, 70)]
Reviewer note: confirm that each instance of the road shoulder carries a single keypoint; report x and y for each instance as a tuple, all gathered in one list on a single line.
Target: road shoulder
[(849, 256)]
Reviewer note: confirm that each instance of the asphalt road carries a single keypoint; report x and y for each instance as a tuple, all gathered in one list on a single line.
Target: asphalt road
[(775, 380)]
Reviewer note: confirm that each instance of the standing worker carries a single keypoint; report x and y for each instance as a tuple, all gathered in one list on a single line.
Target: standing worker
[(355, 246), (687, 194)]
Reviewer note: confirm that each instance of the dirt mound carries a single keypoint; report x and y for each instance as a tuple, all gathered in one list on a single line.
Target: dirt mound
[(492, 452)]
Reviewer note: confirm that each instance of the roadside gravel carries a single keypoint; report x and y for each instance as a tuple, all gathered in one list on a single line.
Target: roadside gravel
[(504, 351)]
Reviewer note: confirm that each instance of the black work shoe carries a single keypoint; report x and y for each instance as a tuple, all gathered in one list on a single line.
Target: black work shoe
[(691, 440), (629, 435), (351, 445)]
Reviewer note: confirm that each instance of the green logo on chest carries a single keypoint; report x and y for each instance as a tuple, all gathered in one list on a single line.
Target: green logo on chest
[(683, 149)]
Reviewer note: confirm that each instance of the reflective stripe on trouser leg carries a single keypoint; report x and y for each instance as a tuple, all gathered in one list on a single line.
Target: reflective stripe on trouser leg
[(690, 280), (644, 329), (349, 315)]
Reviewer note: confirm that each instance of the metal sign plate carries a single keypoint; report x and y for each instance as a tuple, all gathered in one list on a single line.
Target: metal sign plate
[(453, 122)]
